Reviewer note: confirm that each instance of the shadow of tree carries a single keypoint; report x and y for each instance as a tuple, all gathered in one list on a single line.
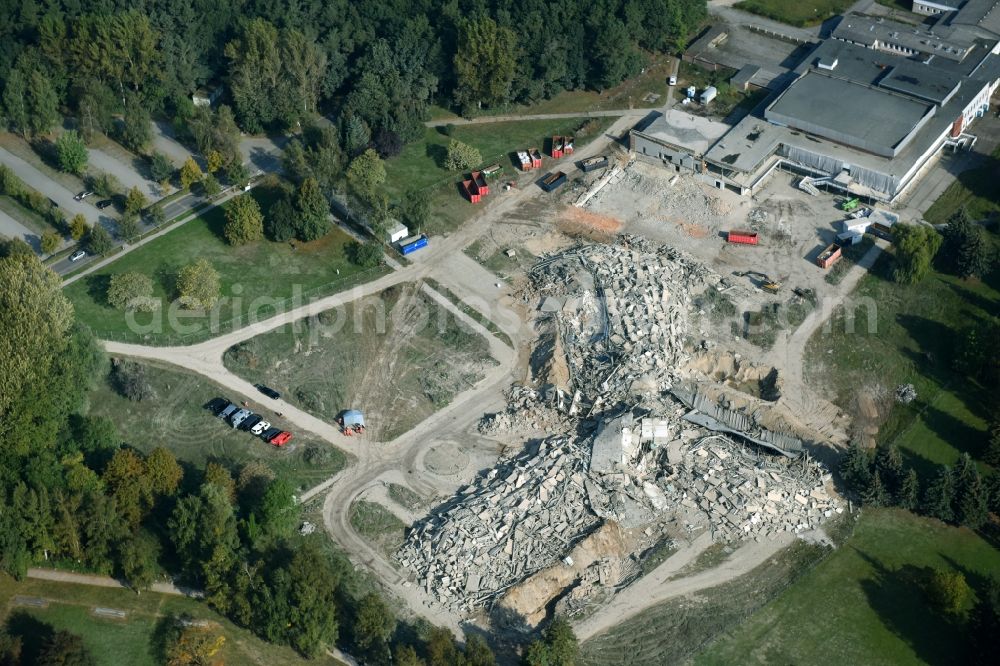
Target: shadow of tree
[(438, 153), (897, 596), (33, 634)]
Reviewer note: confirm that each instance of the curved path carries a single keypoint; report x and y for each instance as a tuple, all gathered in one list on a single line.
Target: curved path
[(445, 261)]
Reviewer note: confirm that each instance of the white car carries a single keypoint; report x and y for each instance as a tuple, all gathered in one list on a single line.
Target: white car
[(260, 427), (77, 256)]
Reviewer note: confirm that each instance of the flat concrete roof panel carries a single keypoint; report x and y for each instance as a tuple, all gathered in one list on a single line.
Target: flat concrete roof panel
[(853, 113), (677, 128)]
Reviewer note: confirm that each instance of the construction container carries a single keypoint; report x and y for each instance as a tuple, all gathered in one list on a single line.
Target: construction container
[(469, 190), (479, 184), (412, 244), (536, 158), (880, 230), (568, 145), (524, 159), (553, 181), (742, 237), (708, 94), (594, 163), (492, 171), (557, 147), (829, 256), (850, 237)]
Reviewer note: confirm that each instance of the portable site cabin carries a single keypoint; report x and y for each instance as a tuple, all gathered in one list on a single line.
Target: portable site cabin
[(396, 232), (708, 94)]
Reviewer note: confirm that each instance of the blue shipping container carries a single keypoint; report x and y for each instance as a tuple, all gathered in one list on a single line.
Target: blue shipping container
[(414, 245)]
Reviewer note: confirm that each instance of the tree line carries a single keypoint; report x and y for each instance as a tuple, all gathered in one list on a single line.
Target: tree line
[(377, 64)]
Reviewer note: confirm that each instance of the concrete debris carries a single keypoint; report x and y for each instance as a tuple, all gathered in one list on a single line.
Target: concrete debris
[(906, 393)]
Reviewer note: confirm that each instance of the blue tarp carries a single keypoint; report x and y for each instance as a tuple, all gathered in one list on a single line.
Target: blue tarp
[(353, 417)]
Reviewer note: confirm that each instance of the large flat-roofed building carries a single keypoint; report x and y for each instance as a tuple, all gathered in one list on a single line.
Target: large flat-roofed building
[(863, 117)]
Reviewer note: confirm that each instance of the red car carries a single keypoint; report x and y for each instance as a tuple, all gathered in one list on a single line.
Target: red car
[(281, 438)]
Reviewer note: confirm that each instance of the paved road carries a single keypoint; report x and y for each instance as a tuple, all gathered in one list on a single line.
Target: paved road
[(164, 141), (124, 172), (11, 228), (482, 120), (62, 197)]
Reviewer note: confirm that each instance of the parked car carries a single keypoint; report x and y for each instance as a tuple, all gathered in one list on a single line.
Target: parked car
[(77, 256), (104, 203), (673, 80), (259, 427), (281, 438), (239, 417), (270, 434), (251, 421), (228, 411), (83, 195), (268, 391)]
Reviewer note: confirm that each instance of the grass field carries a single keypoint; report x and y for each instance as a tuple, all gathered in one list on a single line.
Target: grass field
[(798, 13), (396, 356), (673, 631), (258, 279), (976, 189), (863, 604), (379, 525), (420, 165), (134, 640), (912, 342), (176, 419)]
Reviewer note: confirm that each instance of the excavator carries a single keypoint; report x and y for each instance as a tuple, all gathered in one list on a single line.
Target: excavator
[(766, 283)]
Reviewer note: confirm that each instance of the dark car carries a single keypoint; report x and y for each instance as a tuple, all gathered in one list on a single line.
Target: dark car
[(251, 421), (104, 203), (216, 405), (268, 391), (270, 434)]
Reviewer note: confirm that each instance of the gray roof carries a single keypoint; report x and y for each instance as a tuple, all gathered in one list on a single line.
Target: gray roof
[(981, 14), (866, 31), (851, 113), (743, 76), (921, 81)]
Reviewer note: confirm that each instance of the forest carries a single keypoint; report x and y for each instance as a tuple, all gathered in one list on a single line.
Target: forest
[(380, 63)]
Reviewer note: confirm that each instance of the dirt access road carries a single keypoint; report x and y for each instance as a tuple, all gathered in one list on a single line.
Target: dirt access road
[(375, 458)]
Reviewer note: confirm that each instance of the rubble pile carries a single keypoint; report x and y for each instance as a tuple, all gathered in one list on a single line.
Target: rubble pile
[(528, 411), (518, 518), (622, 313)]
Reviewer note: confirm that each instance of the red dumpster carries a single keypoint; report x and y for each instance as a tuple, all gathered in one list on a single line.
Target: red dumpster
[(829, 256), (469, 189), (479, 184), (536, 158), (742, 237), (557, 147)]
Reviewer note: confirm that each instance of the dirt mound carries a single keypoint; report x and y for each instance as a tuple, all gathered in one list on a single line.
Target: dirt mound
[(582, 223)]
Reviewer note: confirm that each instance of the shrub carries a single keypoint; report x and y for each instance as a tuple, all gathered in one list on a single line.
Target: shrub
[(72, 152), (78, 227), (160, 168), (130, 381), (461, 156), (198, 285), (366, 255), (50, 242), (131, 291)]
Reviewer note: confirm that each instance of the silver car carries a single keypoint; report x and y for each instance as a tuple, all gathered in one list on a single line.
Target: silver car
[(239, 417)]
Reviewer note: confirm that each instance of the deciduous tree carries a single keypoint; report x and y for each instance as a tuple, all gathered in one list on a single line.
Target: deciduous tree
[(131, 291), (915, 248), (128, 227), (313, 211), (50, 242), (366, 174), (190, 173), (72, 152), (98, 240), (78, 227), (161, 168), (244, 221), (199, 285), (461, 156), (135, 201), (485, 61)]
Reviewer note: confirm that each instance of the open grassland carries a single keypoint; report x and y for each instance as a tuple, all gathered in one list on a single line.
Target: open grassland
[(975, 189), (176, 418), (864, 604), (673, 631), (258, 279), (421, 164), (136, 640), (907, 334), (397, 356), (798, 13)]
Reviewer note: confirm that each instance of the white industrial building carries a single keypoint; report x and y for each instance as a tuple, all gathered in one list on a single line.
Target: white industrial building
[(866, 112)]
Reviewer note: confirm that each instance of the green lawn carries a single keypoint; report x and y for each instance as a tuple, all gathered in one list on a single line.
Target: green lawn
[(915, 329), (420, 165), (798, 12), (397, 356), (258, 280), (976, 189), (134, 640), (176, 418), (863, 604)]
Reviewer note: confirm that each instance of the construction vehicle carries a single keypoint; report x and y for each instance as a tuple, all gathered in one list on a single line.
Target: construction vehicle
[(850, 204), (351, 422), (766, 283)]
